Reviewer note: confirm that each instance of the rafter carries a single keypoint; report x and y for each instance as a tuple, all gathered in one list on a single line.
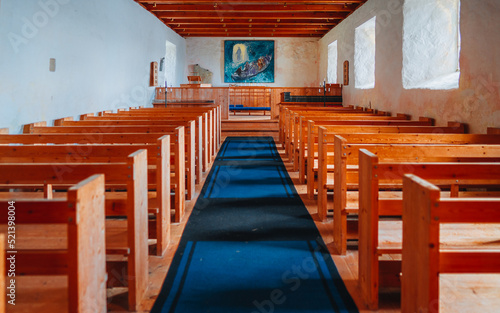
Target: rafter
[(286, 7), (251, 18)]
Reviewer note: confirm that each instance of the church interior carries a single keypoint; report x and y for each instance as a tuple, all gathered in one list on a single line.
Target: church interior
[(251, 156)]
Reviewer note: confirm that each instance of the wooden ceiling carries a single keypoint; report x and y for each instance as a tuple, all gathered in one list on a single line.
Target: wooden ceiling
[(251, 18)]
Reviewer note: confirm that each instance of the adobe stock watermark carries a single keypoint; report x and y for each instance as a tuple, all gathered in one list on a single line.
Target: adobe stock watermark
[(31, 27), (292, 280)]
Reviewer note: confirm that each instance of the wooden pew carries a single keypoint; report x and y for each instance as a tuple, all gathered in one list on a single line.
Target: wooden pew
[(286, 109), (340, 118), (213, 123), (214, 116), (3, 280), (137, 130), (302, 137), (200, 140), (423, 259), (288, 124), (313, 134), (299, 148), (158, 174), (196, 136), (373, 203), (126, 241), (327, 144), (83, 260), (346, 173), (176, 146)]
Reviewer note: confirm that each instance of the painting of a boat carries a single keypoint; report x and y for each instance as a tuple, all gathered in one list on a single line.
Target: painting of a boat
[(249, 61), (250, 69)]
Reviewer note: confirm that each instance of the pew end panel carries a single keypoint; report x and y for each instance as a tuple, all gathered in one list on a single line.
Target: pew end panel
[(84, 260), (28, 128), (87, 261), (138, 271), (423, 260)]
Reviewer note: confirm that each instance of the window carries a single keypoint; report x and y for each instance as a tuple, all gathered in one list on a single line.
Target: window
[(332, 63), (431, 44), (170, 63), (364, 55)]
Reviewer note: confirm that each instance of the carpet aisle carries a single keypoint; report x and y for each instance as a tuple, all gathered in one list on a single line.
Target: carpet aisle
[(250, 244)]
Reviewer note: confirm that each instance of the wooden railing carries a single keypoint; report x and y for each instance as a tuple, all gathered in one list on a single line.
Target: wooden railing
[(247, 95)]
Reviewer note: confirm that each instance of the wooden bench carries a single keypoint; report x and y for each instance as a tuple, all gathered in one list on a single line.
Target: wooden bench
[(83, 259), (201, 143), (214, 119), (347, 174), (327, 144), (423, 259), (374, 203), (213, 127), (287, 124), (158, 174), (299, 147), (240, 108), (176, 149), (300, 141), (210, 125), (137, 131), (292, 121), (313, 134), (286, 109), (3, 281), (126, 240)]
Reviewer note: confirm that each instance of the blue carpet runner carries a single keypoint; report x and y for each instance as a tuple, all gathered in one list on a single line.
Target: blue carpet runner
[(250, 244)]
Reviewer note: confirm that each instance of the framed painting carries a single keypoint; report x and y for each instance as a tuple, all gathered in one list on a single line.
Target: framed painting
[(249, 61)]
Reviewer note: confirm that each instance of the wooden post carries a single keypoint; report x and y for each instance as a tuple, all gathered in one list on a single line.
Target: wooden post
[(322, 174), (310, 159), (86, 258), (339, 200), (368, 229), (163, 195), (420, 265), (137, 223)]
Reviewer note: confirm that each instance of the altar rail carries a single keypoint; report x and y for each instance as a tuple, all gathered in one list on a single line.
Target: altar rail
[(250, 96)]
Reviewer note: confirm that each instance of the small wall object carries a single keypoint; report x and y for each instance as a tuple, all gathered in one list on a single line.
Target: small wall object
[(346, 73), (153, 76), (206, 75), (52, 65)]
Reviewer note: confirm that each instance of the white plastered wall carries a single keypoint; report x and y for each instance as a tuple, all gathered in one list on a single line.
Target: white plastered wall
[(103, 51), (296, 59), (476, 101)]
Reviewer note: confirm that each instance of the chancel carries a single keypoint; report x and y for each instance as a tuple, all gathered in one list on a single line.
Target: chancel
[(179, 156)]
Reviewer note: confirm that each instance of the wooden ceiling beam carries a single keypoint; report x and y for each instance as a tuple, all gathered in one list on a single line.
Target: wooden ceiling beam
[(252, 34), (226, 21), (160, 8), (247, 15), (144, 2), (247, 26), (251, 18)]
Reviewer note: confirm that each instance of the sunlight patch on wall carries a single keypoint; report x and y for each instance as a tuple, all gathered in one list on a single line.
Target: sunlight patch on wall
[(364, 55), (332, 62), (431, 44)]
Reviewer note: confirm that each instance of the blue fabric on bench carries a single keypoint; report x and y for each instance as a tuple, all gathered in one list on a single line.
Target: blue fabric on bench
[(242, 108)]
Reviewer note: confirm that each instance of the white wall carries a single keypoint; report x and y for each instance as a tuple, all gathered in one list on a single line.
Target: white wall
[(296, 59), (103, 51), (476, 101)]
